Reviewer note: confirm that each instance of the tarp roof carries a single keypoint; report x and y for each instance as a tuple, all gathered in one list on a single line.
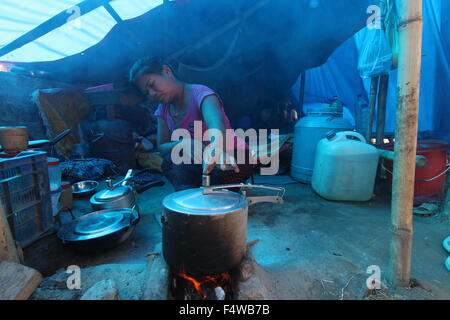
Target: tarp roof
[(20, 17), (261, 56)]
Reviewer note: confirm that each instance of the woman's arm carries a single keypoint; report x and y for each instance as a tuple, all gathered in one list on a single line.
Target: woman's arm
[(163, 138), (212, 113), (214, 119)]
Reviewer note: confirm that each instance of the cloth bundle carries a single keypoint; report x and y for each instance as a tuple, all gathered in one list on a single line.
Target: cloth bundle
[(87, 169)]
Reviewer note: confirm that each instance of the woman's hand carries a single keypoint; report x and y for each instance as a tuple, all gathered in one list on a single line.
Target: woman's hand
[(210, 155), (215, 156)]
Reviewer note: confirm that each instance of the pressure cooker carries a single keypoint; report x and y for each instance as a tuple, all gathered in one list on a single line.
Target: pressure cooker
[(205, 229)]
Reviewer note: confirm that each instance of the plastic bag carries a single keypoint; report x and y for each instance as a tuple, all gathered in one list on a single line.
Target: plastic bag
[(376, 56), (392, 22)]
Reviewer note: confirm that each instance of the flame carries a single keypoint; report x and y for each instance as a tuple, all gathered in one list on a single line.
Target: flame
[(197, 284), (217, 280)]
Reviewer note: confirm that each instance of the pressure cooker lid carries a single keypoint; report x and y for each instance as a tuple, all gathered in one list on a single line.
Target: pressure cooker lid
[(96, 224), (193, 201), (109, 195)]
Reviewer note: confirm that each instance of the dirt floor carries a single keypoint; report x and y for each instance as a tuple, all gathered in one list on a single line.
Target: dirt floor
[(309, 247)]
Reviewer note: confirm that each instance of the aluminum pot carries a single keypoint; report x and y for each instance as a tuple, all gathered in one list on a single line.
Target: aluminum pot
[(205, 229), (99, 230), (120, 197), (115, 196)]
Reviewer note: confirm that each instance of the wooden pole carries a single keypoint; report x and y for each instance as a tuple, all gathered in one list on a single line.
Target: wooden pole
[(301, 96), (409, 67), (383, 90), (372, 104), (8, 251), (381, 114)]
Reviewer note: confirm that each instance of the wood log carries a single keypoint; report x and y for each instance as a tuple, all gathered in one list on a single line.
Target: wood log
[(8, 251), (17, 282), (252, 281), (157, 278)]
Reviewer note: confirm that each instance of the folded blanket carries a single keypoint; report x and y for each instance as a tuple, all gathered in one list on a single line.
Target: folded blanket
[(62, 109)]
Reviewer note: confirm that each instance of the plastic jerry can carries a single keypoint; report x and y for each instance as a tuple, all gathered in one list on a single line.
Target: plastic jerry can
[(345, 169), (309, 131)]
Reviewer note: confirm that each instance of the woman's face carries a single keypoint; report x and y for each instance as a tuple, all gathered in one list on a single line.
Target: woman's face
[(159, 87)]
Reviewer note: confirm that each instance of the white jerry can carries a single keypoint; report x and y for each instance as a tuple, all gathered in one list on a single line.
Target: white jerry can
[(345, 169)]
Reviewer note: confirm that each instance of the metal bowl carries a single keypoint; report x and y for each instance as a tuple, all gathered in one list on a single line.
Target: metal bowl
[(84, 188)]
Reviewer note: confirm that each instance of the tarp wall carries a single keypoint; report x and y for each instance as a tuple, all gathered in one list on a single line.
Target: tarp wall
[(340, 76)]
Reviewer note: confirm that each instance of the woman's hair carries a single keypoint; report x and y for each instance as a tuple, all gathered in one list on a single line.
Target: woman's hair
[(147, 65)]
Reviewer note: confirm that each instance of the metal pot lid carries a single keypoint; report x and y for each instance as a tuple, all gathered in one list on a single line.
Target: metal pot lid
[(96, 224), (111, 194), (99, 223), (193, 201)]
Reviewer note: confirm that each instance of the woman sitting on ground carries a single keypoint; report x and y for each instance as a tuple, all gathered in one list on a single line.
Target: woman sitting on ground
[(181, 105)]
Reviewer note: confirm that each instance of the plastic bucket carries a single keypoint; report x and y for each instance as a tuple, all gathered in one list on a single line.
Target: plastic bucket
[(429, 180), (54, 173)]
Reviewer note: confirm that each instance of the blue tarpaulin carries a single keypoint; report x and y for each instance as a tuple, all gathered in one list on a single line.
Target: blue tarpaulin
[(340, 76), (80, 33)]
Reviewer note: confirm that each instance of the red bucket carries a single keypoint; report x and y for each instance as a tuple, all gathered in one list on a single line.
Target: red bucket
[(429, 180)]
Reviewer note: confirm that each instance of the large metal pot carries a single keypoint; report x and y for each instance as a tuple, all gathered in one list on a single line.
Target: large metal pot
[(205, 229)]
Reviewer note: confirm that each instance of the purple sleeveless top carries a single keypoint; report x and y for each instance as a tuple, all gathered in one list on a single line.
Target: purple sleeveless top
[(198, 94)]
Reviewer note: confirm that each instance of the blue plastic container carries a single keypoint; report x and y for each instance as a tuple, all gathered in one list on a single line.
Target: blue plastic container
[(25, 195)]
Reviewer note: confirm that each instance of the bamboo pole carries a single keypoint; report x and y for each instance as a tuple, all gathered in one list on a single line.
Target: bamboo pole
[(8, 251), (409, 67)]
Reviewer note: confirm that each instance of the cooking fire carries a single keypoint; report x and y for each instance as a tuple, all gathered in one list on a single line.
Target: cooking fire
[(215, 287)]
